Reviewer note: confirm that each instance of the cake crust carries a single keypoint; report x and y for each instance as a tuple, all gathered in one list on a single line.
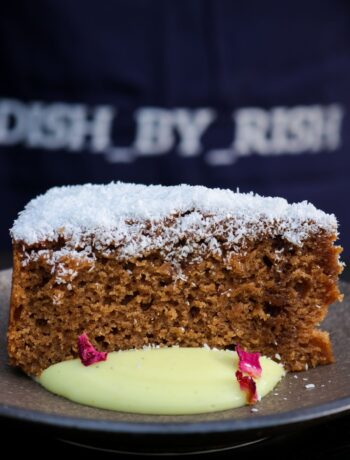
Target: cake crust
[(190, 278)]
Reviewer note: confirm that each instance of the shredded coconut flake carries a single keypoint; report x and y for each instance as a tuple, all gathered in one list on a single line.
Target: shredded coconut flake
[(309, 386), (181, 221)]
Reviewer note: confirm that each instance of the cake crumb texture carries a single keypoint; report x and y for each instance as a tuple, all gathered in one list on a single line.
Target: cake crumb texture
[(268, 298)]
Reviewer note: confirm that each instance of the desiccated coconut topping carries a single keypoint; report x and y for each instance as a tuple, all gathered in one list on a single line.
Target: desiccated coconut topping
[(179, 220)]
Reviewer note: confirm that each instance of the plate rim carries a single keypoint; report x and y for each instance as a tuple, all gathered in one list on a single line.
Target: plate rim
[(295, 417)]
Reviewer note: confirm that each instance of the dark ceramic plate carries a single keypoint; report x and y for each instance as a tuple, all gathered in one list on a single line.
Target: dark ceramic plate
[(289, 407)]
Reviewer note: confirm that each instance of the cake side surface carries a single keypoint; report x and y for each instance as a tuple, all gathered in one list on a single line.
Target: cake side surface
[(215, 285)]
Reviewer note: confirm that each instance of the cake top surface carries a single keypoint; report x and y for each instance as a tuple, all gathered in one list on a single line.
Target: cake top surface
[(103, 209)]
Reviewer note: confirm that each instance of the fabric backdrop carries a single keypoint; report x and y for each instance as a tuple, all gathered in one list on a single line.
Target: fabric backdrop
[(251, 95)]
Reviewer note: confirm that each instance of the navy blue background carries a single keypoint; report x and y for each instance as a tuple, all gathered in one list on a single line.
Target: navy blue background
[(185, 53)]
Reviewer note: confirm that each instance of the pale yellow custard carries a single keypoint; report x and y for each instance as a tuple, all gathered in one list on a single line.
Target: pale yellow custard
[(159, 381)]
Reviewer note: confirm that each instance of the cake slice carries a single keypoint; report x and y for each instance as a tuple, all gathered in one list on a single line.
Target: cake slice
[(134, 265)]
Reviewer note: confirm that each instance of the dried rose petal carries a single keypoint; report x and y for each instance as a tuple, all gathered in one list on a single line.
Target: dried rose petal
[(248, 385), (249, 362), (87, 352)]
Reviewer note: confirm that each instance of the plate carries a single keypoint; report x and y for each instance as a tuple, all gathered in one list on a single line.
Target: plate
[(290, 406)]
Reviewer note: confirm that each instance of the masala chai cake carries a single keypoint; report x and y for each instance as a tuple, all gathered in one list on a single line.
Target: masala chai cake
[(133, 265)]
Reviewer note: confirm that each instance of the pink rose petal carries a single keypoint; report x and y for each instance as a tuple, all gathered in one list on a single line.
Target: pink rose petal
[(248, 385), (249, 362), (87, 352)]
